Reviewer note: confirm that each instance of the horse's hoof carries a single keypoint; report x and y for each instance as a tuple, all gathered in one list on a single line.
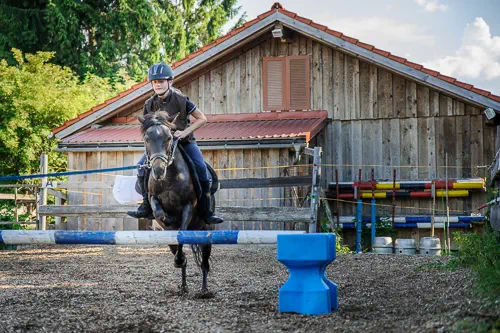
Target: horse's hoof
[(181, 265), (205, 294), (184, 290)]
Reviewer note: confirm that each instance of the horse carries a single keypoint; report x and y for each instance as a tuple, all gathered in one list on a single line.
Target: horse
[(172, 191)]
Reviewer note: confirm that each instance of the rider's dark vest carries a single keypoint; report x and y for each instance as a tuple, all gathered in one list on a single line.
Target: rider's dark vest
[(174, 104)]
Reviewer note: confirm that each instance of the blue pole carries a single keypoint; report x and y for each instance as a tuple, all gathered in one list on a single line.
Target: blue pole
[(359, 223), (374, 222)]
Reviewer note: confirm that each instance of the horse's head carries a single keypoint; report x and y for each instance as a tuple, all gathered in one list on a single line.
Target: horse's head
[(157, 130)]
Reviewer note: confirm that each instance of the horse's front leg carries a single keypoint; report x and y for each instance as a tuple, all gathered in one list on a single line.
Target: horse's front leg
[(163, 219), (180, 260)]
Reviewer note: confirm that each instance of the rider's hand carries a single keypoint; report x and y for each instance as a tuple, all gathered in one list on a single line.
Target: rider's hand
[(180, 134)]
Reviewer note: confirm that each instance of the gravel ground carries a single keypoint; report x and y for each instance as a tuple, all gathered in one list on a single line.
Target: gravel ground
[(135, 289)]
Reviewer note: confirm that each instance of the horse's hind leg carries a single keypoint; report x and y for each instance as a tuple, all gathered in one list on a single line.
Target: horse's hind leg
[(206, 250)]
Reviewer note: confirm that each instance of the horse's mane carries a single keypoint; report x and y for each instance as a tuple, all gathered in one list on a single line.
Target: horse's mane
[(157, 118)]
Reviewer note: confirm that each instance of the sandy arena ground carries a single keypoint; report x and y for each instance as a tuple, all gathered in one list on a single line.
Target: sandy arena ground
[(135, 289)]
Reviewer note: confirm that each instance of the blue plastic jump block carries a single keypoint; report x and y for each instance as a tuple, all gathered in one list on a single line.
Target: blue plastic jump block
[(307, 290)]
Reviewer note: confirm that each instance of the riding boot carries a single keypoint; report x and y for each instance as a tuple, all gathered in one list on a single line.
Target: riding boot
[(205, 204), (144, 211)]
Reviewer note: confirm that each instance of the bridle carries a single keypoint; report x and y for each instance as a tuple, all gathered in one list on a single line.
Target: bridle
[(168, 158)]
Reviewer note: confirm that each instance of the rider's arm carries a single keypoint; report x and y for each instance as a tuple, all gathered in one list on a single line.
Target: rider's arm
[(200, 120)]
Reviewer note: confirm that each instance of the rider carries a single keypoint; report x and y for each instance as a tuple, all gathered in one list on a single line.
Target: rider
[(166, 98)]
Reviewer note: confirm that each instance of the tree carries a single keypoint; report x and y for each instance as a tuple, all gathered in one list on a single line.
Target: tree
[(102, 36), (35, 97)]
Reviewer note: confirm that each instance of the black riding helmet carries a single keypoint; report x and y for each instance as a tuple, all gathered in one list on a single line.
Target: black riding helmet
[(160, 71)]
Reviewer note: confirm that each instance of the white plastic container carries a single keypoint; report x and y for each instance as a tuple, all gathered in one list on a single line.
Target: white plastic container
[(430, 246), (382, 245), (405, 246)]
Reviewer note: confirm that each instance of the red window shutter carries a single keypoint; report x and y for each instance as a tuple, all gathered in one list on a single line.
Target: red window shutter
[(298, 82), (274, 92)]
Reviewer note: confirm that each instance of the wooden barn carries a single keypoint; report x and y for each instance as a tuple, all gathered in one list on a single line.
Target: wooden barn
[(282, 82)]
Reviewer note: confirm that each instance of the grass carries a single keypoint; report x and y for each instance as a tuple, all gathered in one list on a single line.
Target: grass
[(481, 253)]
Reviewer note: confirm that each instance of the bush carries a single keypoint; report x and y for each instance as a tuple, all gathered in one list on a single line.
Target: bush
[(481, 252)]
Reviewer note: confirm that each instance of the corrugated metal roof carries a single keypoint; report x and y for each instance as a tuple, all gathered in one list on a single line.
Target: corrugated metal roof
[(269, 126)]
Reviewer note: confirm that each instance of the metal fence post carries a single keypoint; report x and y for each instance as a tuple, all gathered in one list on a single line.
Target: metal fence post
[(316, 189), (44, 169)]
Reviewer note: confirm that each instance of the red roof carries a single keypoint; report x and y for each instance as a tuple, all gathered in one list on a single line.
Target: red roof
[(266, 125), (278, 7)]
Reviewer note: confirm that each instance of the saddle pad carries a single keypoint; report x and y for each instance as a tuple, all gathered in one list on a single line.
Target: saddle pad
[(124, 190), (192, 170)]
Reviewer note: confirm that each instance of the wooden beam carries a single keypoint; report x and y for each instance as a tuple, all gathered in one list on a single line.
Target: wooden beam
[(274, 214), (87, 210), (19, 186), (8, 196), (82, 185), (57, 194), (19, 223), (265, 182)]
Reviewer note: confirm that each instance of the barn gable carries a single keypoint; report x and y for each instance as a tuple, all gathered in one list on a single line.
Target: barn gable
[(255, 29)]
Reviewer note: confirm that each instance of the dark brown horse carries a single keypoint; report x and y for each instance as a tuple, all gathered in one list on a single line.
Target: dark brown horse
[(172, 192)]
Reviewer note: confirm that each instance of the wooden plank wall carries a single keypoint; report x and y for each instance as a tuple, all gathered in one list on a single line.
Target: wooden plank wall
[(377, 118), (102, 196)]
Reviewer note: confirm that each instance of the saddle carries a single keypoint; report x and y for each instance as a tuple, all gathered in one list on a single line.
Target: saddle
[(214, 180)]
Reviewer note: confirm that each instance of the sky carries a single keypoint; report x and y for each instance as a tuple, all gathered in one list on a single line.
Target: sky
[(459, 38)]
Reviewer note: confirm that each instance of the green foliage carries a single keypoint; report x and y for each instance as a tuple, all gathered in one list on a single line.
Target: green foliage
[(35, 97), (8, 214), (481, 252), (100, 37), (476, 325), (340, 248)]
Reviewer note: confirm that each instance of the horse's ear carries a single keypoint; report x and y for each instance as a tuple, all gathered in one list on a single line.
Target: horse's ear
[(140, 118)]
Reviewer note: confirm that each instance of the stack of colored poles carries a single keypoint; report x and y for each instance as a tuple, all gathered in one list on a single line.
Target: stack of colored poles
[(406, 189), (403, 189)]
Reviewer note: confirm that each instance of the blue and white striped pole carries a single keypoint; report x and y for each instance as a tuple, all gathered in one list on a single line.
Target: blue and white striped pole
[(417, 219), (141, 237)]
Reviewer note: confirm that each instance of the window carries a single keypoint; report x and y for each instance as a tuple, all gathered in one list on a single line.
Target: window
[(286, 83)]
